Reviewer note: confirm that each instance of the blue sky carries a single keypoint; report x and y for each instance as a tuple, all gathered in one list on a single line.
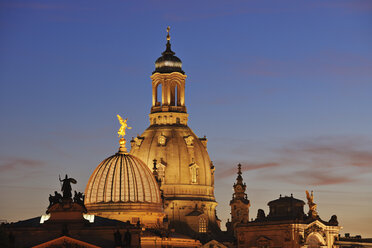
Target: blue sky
[(283, 87)]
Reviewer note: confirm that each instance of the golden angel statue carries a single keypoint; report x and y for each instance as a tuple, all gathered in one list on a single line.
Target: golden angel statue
[(312, 205), (124, 126)]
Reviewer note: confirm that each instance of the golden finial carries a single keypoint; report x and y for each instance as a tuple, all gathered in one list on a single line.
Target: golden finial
[(168, 36), (121, 133)]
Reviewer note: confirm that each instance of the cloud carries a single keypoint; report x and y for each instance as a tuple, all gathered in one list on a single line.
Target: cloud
[(334, 152), (316, 177), (323, 160), (245, 167), (13, 164)]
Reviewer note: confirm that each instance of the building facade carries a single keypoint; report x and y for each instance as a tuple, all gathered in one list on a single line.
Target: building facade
[(286, 225)]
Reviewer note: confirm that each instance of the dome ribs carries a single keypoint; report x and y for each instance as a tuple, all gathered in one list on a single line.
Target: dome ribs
[(121, 170), (100, 180), (92, 179), (94, 187), (109, 169), (132, 182), (113, 181)]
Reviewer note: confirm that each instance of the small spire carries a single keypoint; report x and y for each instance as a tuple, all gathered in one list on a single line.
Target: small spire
[(239, 169), (168, 36), (239, 178), (168, 50)]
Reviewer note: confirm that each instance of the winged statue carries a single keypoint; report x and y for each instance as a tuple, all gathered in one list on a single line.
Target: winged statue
[(124, 126)]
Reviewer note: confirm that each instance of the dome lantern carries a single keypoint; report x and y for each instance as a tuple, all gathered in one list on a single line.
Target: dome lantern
[(168, 62)]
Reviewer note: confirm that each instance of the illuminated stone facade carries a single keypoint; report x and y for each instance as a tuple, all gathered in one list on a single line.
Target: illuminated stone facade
[(184, 167), (287, 234), (286, 225)]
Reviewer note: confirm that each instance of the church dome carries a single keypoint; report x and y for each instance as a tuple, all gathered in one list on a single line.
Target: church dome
[(286, 208), (122, 178), (123, 187), (182, 159)]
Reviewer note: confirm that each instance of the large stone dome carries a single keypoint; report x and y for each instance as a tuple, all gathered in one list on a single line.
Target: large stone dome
[(123, 188), (177, 148), (185, 170)]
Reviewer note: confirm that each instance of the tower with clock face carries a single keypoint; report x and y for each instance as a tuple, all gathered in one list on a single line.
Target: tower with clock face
[(239, 203)]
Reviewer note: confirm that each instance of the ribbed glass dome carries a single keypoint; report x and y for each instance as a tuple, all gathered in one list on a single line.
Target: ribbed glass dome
[(122, 178)]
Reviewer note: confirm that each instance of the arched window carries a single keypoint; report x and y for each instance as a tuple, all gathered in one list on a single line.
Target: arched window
[(159, 95), (194, 171), (178, 121), (202, 225), (176, 95), (313, 241)]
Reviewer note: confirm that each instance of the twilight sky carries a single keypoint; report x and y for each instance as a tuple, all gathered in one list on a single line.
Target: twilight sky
[(282, 87)]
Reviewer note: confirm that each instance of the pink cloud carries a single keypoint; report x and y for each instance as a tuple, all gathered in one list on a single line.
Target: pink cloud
[(12, 164), (316, 177), (245, 167), (313, 161)]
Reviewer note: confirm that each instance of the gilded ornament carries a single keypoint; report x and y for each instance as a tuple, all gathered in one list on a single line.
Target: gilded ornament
[(124, 126)]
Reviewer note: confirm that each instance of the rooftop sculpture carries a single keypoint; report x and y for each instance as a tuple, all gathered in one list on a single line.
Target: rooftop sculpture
[(312, 206)]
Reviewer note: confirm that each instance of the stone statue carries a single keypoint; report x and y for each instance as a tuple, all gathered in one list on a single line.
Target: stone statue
[(333, 220), (66, 186), (127, 239), (124, 126), (57, 197), (312, 206), (261, 214), (79, 198), (53, 199), (117, 237)]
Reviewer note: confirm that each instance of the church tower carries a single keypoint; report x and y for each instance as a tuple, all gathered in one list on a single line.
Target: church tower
[(239, 203), (183, 167)]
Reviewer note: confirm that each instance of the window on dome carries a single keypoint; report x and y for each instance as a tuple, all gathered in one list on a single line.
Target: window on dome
[(194, 171), (161, 171), (202, 225)]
